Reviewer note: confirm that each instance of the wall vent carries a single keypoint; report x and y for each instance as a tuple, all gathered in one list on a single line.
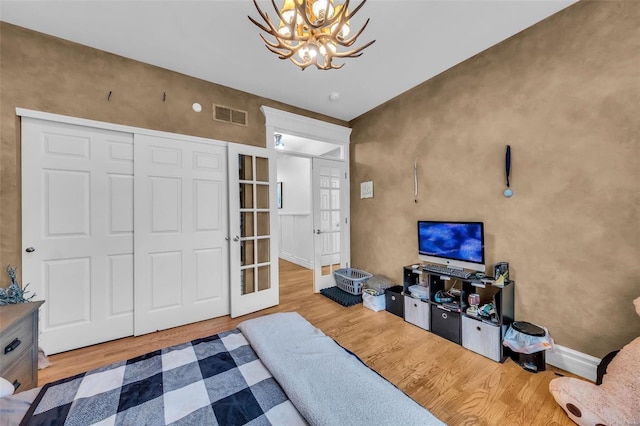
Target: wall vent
[(229, 115)]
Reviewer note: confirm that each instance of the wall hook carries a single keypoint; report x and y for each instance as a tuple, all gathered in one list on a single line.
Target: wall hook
[(164, 96), (109, 96), (415, 181)]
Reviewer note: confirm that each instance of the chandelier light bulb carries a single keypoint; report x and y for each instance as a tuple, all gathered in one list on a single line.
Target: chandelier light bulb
[(284, 30), (288, 11), (308, 52), (320, 8), (323, 48), (343, 32)]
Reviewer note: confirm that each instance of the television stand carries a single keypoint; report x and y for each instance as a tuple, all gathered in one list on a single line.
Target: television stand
[(477, 331)]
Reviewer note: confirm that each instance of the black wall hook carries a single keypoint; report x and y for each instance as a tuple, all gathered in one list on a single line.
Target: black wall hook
[(109, 96), (164, 96)]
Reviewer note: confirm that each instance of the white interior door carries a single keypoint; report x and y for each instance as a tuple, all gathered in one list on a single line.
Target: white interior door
[(330, 220), (253, 229), (77, 231), (181, 252)]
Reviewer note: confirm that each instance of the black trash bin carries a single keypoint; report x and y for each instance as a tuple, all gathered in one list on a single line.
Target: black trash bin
[(531, 362)]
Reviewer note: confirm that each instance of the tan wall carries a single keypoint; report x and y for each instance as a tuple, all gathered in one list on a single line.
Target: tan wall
[(45, 73), (565, 94)]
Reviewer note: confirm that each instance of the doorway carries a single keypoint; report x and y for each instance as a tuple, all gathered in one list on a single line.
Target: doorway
[(313, 184), (292, 135)]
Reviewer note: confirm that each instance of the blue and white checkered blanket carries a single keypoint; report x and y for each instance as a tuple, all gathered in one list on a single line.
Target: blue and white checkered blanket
[(217, 380)]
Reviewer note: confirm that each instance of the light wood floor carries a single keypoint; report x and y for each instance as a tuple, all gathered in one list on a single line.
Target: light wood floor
[(457, 385)]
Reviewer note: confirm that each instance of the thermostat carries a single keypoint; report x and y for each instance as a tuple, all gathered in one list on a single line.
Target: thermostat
[(366, 189)]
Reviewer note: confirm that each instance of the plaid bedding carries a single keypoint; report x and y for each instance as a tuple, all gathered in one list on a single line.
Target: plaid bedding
[(217, 380)]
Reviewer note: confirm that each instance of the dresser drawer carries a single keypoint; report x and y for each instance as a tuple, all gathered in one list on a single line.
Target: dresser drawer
[(16, 341), (21, 373)]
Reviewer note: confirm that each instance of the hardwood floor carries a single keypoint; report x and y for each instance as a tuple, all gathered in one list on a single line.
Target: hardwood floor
[(456, 385)]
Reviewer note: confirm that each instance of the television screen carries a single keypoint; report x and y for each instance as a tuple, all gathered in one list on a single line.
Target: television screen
[(452, 243)]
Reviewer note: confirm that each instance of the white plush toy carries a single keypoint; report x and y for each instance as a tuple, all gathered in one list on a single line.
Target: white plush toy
[(615, 402), (6, 388)]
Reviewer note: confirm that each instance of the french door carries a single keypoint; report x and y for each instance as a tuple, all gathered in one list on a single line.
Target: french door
[(330, 217), (253, 226)]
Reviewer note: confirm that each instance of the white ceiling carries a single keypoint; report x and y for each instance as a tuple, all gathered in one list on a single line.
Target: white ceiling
[(213, 40)]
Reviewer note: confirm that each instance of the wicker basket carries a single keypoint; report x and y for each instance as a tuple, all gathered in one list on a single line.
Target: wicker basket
[(351, 280)]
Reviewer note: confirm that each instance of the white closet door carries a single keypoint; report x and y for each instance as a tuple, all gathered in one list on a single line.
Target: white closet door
[(77, 231), (181, 222)]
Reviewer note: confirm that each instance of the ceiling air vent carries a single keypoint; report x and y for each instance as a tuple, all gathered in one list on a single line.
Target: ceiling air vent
[(229, 115)]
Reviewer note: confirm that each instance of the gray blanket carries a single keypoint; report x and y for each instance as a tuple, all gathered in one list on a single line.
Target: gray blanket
[(328, 385)]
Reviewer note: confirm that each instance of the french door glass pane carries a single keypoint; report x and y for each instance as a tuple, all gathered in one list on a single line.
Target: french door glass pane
[(246, 195), (263, 250), (262, 196), (264, 274), (246, 224), (248, 281), (263, 223), (262, 169), (246, 255), (246, 167)]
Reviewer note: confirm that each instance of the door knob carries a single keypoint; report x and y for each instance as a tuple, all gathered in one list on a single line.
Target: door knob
[(318, 231), (236, 238), (30, 250)]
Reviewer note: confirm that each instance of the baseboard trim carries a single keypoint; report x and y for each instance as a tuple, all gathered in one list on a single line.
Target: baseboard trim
[(300, 262), (574, 362)]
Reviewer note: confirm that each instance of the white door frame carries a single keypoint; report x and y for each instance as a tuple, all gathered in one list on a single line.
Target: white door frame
[(277, 121)]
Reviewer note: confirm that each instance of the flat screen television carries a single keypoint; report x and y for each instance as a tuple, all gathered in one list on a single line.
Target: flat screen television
[(453, 244)]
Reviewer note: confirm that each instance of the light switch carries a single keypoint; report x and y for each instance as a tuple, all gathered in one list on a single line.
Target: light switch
[(366, 189)]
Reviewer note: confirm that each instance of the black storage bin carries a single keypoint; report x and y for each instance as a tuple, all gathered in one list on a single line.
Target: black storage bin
[(395, 300), (445, 323), (531, 362)]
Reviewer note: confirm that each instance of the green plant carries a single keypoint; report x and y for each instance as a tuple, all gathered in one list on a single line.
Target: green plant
[(13, 293)]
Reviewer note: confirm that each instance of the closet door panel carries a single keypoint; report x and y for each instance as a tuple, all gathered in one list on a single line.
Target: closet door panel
[(181, 251), (77, 231)]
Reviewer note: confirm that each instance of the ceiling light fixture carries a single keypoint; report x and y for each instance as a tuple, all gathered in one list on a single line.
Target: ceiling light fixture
[(310, 32), (279, 144)]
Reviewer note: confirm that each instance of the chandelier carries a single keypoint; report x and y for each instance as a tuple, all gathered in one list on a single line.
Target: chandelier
[(312, 32)]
